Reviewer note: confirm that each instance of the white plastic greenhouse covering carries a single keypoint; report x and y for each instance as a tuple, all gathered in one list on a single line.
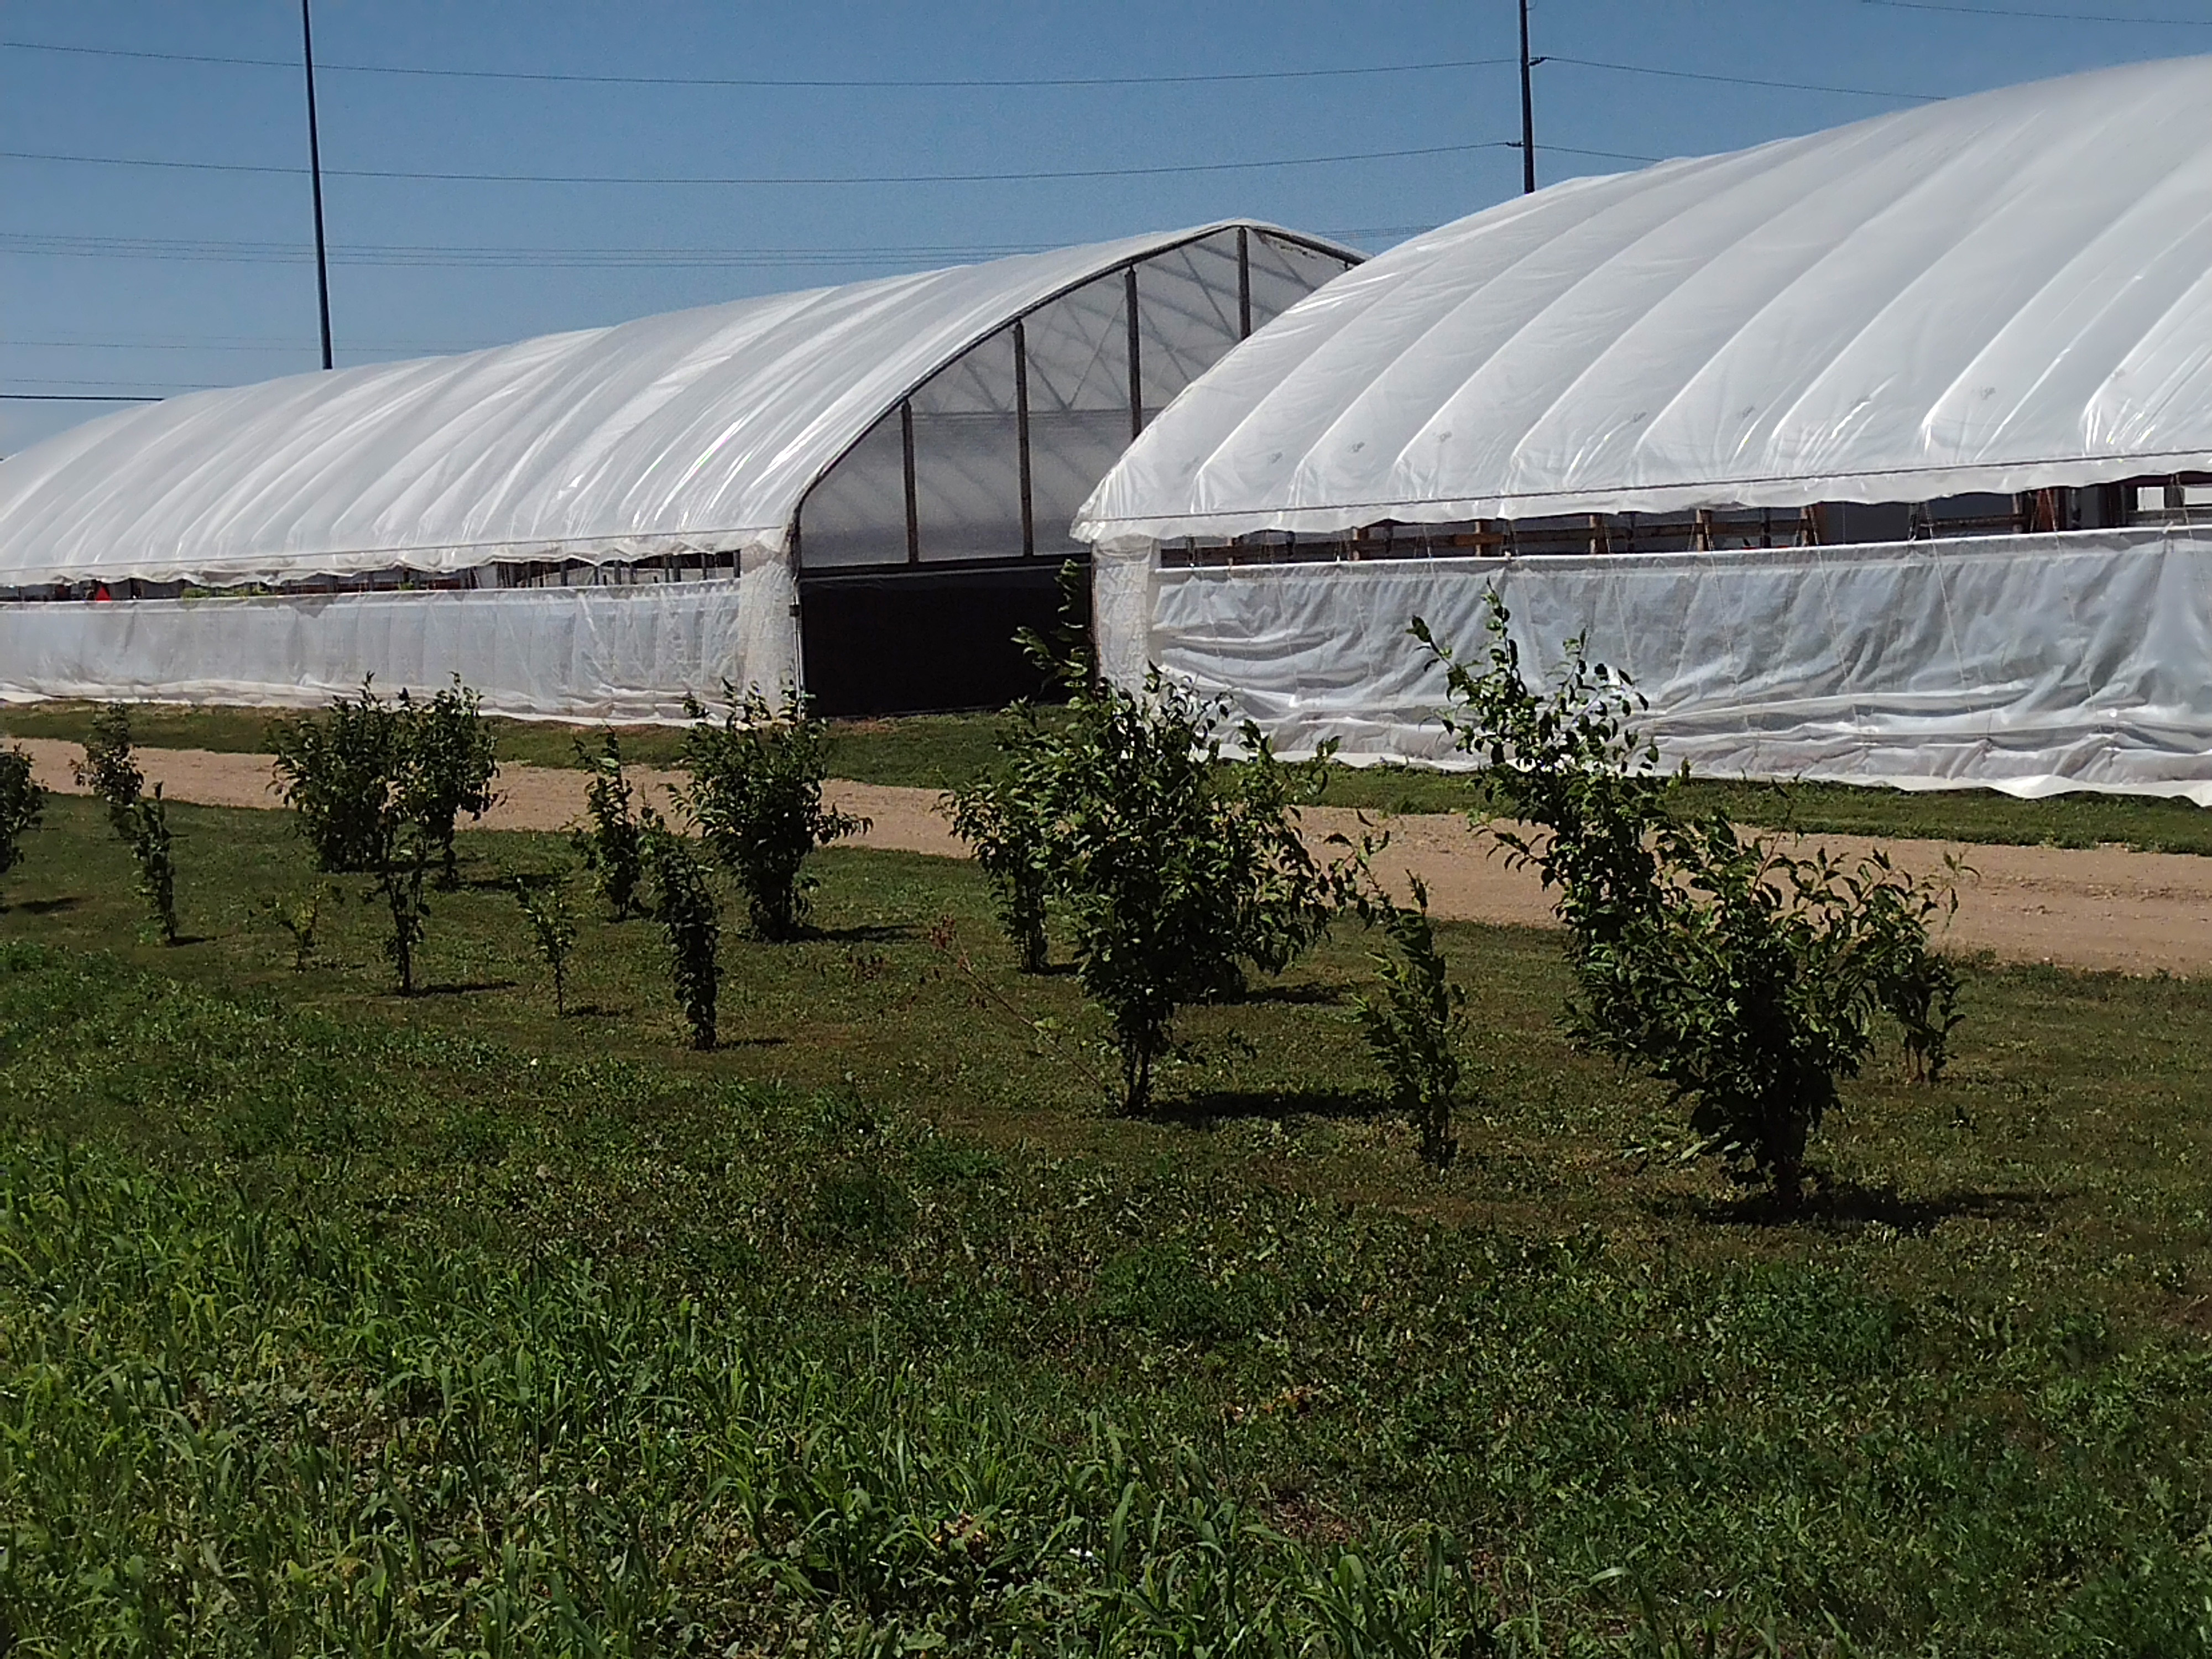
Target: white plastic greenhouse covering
[(693, 436), (2002, 292), (2032, 664), (605, 652)]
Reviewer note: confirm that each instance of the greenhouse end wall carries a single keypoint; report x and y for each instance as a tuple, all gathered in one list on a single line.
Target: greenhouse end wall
[(605, 652), (934, 540), (2028, 664)]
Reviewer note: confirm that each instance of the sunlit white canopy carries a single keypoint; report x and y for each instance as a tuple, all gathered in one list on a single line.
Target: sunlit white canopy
[(699, 431), (1995, 293)]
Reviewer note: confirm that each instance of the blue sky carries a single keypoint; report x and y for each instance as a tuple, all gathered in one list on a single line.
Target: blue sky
[(116, 278)]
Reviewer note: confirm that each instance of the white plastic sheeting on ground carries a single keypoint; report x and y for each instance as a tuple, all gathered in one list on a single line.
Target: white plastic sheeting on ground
[(601, 652), (1996, 293), (2031, 665), (696, 432)]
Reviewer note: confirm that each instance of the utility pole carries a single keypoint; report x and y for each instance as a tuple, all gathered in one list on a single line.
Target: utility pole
[(1528, 108), (315, 171)]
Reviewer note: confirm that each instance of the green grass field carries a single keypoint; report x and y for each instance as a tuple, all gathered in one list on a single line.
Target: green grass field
[(938, 751), (332, 1322), (927, 751)]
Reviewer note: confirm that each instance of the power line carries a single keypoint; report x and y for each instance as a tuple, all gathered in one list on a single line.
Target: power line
[(201, 249), (258, 252), (187, 250), (437, 348), (756, 82), (75, 384), (153, 345), (807, 180), (1741, 80), (97, 392), (1601, 155), (2046, 17)]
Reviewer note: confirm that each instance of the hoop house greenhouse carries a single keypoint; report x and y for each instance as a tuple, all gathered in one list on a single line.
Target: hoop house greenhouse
[(863, 490), (1881, 454)]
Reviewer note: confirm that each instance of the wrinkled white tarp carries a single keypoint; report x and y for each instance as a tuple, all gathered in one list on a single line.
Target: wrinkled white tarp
[(607, 652), (695, 432), (1997, 293), (2031, 665)]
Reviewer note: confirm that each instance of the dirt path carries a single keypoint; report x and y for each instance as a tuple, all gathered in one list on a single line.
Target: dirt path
[(2139, 912)]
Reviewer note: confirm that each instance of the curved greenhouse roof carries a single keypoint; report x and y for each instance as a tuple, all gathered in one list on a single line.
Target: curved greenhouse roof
[(1996, 293), (698, 431)]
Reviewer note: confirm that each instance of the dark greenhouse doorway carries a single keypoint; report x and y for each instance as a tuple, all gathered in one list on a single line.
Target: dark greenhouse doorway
[(923, 642)]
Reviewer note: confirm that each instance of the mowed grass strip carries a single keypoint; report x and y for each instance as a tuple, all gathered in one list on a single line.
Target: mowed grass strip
[(934, 751), (940, 751), (336, 1322)]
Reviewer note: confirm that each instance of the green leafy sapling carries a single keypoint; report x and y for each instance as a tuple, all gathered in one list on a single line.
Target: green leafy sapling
[(366, 764), (1413, 1020), (1177, 869), (683, 905), (449, 759), (1003, 814), (108, 769), (400, 876), (378, 787), (611, 840), (146, 826), (1748, 979), (552, 928), (756, 794), (1000, 814), (300, 918), (22, 802), (339, 773)]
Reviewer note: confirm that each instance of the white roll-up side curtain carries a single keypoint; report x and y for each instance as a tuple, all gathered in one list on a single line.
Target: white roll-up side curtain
[(689, 442), (1999, 294), (586, 653), (2031, 665)]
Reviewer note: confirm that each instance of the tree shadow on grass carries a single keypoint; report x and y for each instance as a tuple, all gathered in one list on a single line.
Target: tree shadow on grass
[(1213, 1107), (465, 988), (46, 906), (1314, 994), (1847, 1206), (503, 883), (867, 933)]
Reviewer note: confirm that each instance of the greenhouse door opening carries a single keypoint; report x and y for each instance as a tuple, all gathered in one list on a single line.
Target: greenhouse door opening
[(927, 641)]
